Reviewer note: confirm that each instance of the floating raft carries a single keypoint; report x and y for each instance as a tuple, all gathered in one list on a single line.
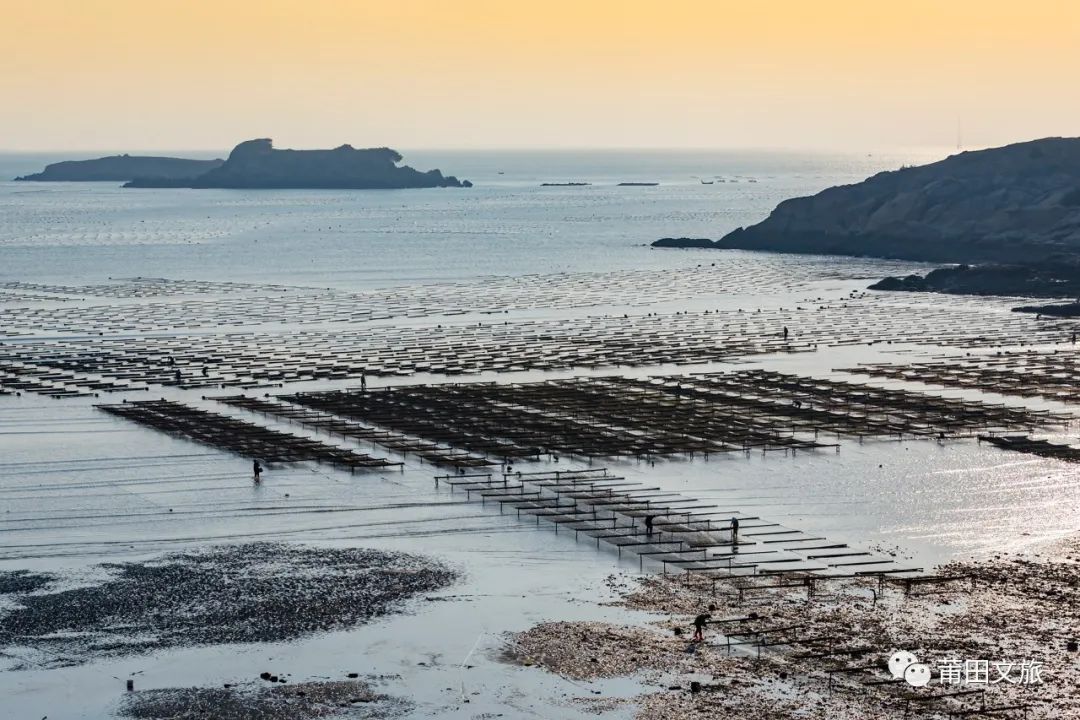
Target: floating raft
[(143, 331), (323, 422), (1031, 446), (662, 416), (243, 438), (1053, 375), (44, 380), (687, 536)]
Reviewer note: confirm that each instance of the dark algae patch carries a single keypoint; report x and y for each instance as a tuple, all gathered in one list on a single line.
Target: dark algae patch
[(346, 699), (22, 581), (260, 592)]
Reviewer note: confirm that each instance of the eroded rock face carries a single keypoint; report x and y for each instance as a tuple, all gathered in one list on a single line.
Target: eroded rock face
[(1016, 203), (256, 164)]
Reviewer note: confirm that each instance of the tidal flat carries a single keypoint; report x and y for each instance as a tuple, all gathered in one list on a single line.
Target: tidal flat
[(498, 475)]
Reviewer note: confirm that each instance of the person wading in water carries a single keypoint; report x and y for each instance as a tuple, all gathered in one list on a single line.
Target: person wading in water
[(699, 626)]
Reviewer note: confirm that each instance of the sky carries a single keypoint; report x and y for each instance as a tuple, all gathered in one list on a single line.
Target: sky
[(796, 74)]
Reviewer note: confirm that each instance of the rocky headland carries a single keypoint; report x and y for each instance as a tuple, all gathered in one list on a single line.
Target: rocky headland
[(1016, 204), (122, 168), (257, 164), (1009, 215)]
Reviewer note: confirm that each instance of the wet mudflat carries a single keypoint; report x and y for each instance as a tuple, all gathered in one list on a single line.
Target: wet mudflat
[(773, 650), (256, 592)]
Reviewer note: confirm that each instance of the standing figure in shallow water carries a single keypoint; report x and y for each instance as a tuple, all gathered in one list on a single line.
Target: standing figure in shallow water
[(256, 469), (699, 626)]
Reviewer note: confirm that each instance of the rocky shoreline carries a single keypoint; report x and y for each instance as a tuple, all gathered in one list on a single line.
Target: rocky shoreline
[(1043, 280)]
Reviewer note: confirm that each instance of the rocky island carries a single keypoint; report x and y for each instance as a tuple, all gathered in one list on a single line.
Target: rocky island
[(684, 242), (256, 164), (122, 168)]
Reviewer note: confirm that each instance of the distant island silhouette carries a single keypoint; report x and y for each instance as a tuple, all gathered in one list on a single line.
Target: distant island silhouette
[(257, 164), (684, 242), (122, 168)]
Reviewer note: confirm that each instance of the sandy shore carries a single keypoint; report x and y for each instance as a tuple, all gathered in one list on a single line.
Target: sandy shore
[(826, 655)]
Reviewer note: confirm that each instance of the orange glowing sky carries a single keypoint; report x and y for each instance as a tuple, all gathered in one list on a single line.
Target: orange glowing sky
[(857, 74)]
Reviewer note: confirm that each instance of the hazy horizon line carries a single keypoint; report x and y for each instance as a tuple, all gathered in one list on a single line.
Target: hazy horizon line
[(536, 149)]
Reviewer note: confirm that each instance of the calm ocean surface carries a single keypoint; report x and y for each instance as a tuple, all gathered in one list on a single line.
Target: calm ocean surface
[(507, 225)]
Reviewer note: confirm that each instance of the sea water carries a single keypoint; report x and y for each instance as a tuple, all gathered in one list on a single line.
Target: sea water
[(507, 224)]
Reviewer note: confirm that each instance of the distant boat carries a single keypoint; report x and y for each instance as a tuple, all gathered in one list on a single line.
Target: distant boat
[(638, 184), (564, 184), (707, 182)]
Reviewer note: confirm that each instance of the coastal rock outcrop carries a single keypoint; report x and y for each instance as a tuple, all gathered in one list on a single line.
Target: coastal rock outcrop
[(257, 164), (1014, 204), (1052, 279), (684, 242), (122, 168)]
